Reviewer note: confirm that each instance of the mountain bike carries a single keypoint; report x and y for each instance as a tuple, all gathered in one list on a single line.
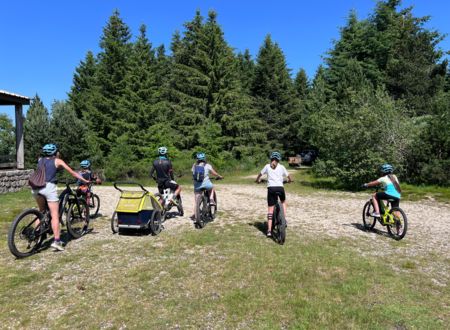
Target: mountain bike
[(279, 222), (205, 211), (93, 201), (168, 202), (393, 218)]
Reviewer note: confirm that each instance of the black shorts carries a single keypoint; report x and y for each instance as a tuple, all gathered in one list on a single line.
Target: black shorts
[(273, 193), (395, 202), (167, 184)]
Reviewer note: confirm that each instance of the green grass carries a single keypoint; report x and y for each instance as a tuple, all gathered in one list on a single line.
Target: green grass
[(216, 278), (14, 203)]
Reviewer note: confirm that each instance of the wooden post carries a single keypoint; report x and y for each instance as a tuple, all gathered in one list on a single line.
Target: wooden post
[(19, 138)]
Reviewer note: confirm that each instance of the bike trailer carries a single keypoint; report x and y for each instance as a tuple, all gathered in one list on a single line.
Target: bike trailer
[(135, 208)]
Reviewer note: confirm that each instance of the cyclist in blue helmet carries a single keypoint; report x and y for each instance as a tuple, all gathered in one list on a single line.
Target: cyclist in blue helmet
[(201, 171), (86, 172), (276, 173), (51, 162), (162, 173), (391, 189)]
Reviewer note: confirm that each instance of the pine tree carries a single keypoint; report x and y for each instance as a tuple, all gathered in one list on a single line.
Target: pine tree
[(301, 84), (7, 136), (246, 70), (36, 131)]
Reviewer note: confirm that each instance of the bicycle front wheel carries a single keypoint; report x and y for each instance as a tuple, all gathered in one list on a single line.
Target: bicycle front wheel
[(94, 206), (77, 218), (26, 233), (398, 229), (368, 221)]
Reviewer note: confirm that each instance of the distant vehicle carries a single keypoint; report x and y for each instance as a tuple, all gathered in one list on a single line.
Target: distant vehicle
[(295, 161), (308, 156)]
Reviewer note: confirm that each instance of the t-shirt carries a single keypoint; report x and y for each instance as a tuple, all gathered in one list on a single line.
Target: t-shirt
[(388, 186), (208, 168), (275, 176)]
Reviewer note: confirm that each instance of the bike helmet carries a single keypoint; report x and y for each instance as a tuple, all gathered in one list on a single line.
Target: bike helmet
[(201, 156), (85, 164), (275, 155), (49, 149), (386, 168), (162, 151)]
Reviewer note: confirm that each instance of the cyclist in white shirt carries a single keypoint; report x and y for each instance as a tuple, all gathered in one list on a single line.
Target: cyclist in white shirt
[(276, 173)]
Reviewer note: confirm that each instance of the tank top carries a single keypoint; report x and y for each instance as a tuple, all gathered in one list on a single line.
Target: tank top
[(50, 169)]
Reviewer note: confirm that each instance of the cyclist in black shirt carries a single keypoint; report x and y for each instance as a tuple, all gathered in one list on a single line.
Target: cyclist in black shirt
[(164, 173)]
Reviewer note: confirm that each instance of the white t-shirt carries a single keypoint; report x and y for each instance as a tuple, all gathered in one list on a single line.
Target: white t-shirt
[(208, 169), (275, 176)]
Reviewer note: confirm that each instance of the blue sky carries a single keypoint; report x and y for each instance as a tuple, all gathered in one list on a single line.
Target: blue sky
[(44, 41)]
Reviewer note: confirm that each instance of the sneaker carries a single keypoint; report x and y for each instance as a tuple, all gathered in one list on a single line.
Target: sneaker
[(84, 230), (212, 203), (57, 245), (375, 215), (269, 234)]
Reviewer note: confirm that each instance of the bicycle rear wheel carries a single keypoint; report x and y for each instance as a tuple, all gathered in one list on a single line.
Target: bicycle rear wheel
[(77, 218), (368, 221), (180, 206), (400, 226), (201, 212), (214, 207), (94, 205), (279, 225), (26, 233)]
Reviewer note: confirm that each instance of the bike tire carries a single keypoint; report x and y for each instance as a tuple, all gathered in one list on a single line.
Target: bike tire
[(368, 221), (115, 223), (77, 218), (32, 239), (213, 208), (180, 206), (200, 218), (279, 225), (63, 209), (399, 228), (94, 205), (156, 222)]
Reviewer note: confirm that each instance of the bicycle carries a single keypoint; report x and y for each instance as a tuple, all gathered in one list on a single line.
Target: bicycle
[(93, 201), (279, 222), (393, 218), (205, 211), (167, 202)]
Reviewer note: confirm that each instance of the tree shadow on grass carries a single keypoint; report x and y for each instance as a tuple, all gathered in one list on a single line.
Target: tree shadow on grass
[(362, 228)]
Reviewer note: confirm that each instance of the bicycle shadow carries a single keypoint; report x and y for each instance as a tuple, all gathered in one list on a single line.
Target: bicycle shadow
[(361, 227), (260, 225)]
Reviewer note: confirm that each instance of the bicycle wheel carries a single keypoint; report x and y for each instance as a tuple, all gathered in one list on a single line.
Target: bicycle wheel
[(77, 218), (115, 223), (279, 225), (213, 208), (180, 206), (156, 222), (368, 221), (26, 233), (201, 211), (64, 204), (400, 226), (94, 205)]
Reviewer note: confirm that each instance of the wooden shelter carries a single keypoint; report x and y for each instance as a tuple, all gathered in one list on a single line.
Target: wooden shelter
[(7, 98)]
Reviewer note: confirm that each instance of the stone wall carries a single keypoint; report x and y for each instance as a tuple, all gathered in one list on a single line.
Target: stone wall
[(13, 180)]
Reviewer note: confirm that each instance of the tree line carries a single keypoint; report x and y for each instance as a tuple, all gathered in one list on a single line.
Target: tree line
[(382, 94)]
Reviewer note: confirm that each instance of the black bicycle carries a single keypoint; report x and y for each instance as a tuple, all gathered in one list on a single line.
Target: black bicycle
[(205, 207), (279, 222)]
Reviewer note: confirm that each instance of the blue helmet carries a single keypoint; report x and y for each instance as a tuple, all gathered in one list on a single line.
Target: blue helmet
[(49, 149), (386, 168), (275, 155), (201, 156), (162, 151), (85, 164)]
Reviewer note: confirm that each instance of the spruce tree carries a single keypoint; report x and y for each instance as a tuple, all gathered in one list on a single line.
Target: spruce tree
[(7, 136), (36, 131), (301, 84)]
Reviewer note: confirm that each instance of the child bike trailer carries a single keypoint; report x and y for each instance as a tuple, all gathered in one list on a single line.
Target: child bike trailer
[(136, 209)]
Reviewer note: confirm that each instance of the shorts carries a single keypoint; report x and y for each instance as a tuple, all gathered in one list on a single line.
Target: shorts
[(205, 184), (49, 192), (168, 184), (273, 193), (395, 202)]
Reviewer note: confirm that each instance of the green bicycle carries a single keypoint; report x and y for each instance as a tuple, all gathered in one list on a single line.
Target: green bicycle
[(393, 218)]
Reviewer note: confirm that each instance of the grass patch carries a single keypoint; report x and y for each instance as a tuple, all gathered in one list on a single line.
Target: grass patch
[(215, 278), (14, 203)]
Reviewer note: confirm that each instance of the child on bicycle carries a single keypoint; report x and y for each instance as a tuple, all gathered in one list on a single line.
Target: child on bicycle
[(87, 174), (391, 189), (164, 174), (276, 173), (201, 170), (52, 163)]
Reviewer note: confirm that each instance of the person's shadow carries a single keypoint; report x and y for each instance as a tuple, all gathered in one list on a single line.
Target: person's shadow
[(260, 225), (361, 227)]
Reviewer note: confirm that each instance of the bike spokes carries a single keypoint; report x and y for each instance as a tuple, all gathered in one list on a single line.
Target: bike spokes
[(400, 224)]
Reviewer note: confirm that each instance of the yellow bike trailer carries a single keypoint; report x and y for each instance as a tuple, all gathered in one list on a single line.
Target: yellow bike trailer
[(136, 209)]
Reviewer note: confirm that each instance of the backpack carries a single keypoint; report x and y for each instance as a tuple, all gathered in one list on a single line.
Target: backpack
[(37, 178), (199, 173), (395, 183)]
